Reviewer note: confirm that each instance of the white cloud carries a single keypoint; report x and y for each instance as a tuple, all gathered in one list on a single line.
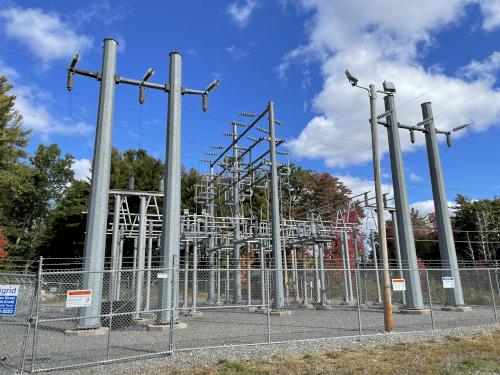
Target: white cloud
[(240, 13), (485, 70), (34, 105), (491, 12), (415, 177), (236, 53), (361, 185), (46, 35), (379, 41), (81, 167), (426, 207)]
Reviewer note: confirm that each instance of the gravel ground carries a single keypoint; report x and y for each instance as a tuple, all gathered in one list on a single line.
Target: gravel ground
[(261, 352), (232, 327)]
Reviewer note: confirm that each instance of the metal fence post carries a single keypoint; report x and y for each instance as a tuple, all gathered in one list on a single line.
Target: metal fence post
[(493, 297), (37, 311), (358, 297), (430, 297), (29, 322), (268, 307)]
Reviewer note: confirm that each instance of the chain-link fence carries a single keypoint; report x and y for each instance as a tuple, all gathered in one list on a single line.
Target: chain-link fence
[(54, 327)]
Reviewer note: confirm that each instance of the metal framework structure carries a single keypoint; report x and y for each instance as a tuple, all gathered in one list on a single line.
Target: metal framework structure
[(228, 224)]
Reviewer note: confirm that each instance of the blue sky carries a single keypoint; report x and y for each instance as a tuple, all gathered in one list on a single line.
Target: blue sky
[(293, 52)]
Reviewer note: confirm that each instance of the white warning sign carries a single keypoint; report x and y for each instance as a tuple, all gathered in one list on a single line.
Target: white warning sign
[(398, 285), (78, 298), (448, 282)]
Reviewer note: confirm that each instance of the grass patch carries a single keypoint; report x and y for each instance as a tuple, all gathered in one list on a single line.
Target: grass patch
[(476, 354)]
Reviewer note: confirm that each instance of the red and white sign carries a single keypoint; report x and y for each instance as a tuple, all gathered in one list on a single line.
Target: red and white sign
[(398, 285), (78, 298)]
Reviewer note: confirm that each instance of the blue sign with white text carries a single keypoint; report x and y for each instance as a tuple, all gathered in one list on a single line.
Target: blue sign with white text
[(8, 299)]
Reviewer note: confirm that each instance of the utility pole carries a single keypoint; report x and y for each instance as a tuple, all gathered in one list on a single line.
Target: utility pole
[(211, 239), (408, 253), (388, 321), (372, 93), (236, 212), (95, 234), (115, 247), (454, 296), (279, 301)]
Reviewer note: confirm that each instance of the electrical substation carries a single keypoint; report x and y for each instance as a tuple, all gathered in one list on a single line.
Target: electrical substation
[(228, 274)]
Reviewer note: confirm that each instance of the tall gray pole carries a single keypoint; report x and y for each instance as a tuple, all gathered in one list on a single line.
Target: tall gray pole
[(375, 263), (95, 234), (186, 275), (150, 259), (279, 300), (134, 263), (115, 239), (236, 212), (408, 253), (348, 265), (388, 321), (211, 241), (120, 264), (317, 281), (139, 285), (170, 232), (398, 251), (454, 296), (344, 269), (249, 276), (194, 297)]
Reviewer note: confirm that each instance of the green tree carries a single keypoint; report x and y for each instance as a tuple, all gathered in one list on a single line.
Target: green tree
[(13, 138), (65, 227), (477, 228), (29, 193)]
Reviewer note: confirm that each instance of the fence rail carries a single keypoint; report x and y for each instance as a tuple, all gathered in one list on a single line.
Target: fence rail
[(45, 333)]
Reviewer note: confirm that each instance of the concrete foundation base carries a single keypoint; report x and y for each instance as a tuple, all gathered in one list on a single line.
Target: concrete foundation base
[(414, 311), (193, 314), (281, 313), (457, 308), (165, 327), (87, 332), (275, 313), (323, 307), (348, 303), (250, 309), (141, 321), (307, 306)]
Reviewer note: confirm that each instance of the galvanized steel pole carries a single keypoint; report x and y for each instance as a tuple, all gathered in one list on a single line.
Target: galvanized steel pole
[(408, 253), (454, 296), (211, 241), (236, 213), (279, 300), (139, 286), (95, 234), (398, 252), (150, 259), (170, 233), (115, 239)]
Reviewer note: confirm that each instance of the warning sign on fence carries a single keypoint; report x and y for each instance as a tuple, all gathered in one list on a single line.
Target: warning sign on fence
[(448, 282), (8, 299), (78, 298), (398, 285)]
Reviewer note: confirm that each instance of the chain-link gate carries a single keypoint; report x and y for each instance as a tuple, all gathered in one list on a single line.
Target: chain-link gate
[(17, 301)]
